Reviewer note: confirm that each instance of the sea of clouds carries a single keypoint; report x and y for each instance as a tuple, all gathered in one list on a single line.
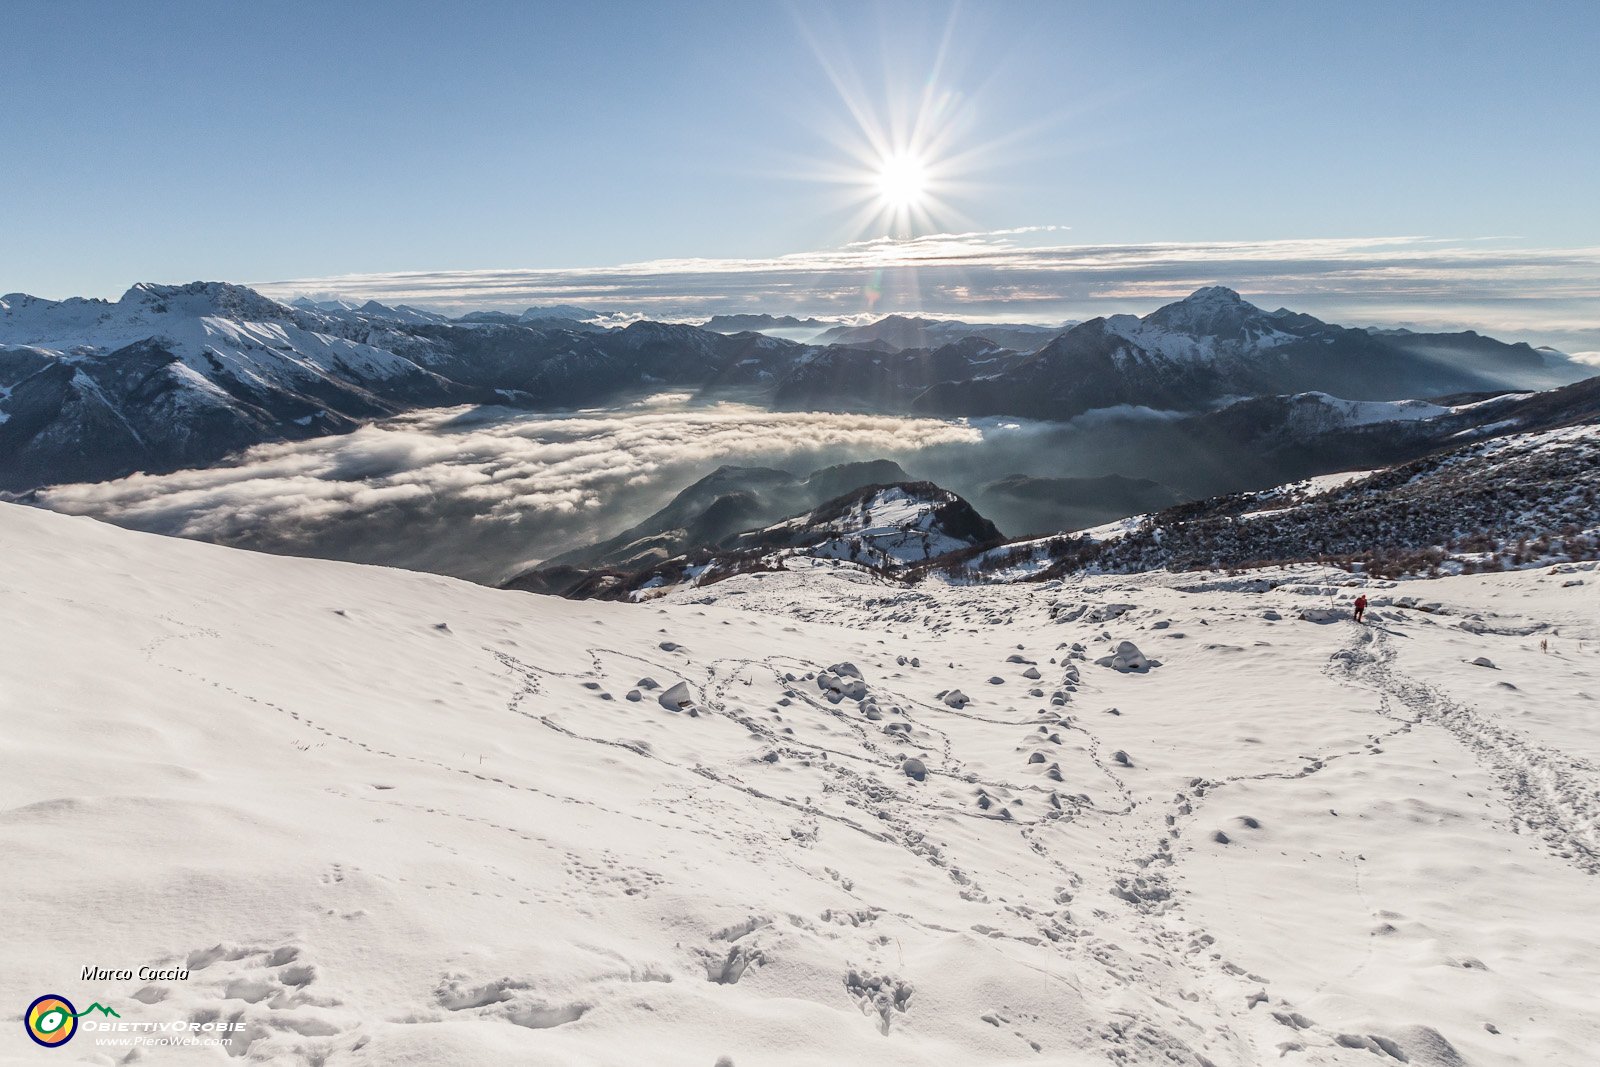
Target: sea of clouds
[(484, 493)]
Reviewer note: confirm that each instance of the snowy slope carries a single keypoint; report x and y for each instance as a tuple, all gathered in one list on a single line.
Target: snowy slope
[(1505, 501), (1336, 412), (383, 817), (889, 526), (213, 327)]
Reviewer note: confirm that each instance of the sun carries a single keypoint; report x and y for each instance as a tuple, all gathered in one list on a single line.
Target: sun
[(902, 182)]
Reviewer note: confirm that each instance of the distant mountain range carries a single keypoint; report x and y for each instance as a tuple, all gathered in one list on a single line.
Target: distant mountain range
[(568, 315), (1212, 345), (900, 332), (879, 378), (373, 311), (176, 376), (892, 333), (762, 323)]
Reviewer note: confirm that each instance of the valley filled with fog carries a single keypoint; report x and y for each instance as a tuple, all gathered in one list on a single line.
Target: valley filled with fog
[(480, 493)]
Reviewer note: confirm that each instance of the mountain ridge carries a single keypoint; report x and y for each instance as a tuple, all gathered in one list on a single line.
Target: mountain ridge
[(1213, 344), (234, 368)]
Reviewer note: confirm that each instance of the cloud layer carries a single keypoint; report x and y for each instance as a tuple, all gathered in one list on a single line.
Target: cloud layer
[(1494, 285), (481, 494)]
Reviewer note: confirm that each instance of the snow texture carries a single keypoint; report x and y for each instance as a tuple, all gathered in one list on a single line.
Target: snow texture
[(385, 817)]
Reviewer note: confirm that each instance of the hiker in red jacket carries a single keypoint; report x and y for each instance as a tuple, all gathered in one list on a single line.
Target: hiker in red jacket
[(1361, 606)]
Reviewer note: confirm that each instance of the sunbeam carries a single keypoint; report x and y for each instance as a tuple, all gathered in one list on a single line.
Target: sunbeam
[(904, 139)]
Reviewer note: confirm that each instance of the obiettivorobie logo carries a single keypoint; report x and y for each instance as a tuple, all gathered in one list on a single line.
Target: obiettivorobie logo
[(51, 1020)]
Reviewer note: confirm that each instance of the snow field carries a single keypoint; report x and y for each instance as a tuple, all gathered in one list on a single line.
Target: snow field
[(386, 817)]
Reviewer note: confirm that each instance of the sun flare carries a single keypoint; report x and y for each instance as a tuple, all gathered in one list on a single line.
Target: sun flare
[(902, 182), (908, 156)]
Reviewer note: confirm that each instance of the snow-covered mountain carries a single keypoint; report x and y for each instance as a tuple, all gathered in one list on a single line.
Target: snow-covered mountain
[(726, 502), (882, 526), (798, 817), (176, 376), (1213, 344), (172, 376), (371, 311)]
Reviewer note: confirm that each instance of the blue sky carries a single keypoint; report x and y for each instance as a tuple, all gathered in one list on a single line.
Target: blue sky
[(303, 143)]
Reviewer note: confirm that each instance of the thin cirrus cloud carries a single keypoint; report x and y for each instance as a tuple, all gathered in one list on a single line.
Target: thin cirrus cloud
[(481, 494), (1548, 295)]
